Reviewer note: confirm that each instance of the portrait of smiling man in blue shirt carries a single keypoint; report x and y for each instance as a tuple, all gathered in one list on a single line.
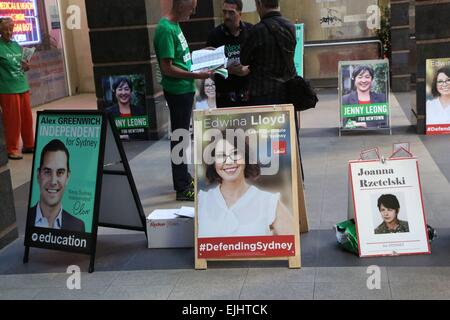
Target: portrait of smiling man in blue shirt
[(53, 175)]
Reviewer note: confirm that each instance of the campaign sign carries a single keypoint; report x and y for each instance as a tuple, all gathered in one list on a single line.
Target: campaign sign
[(438, 97), (246, 171), (388, 207), (364, 95), (65, 180), (299, 51), (124, 99)]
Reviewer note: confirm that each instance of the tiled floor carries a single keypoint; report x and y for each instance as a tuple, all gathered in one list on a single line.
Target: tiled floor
[(244, 284)]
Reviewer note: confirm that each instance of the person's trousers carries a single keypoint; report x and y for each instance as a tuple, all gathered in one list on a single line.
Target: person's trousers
[(17, 120), (180, 106)]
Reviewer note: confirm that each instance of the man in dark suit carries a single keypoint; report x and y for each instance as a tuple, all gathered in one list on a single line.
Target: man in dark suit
[(66, 222), (53, 175)]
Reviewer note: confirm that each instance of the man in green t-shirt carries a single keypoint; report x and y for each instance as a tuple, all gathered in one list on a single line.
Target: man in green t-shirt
[(14, 93), (174, 58)]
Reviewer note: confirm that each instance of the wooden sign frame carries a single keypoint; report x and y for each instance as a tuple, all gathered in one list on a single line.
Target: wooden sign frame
[(298, 198)]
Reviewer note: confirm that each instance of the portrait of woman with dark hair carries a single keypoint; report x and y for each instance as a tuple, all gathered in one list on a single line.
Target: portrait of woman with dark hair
[(389, 208), (362, 79), (233, 206), (438, 109), (122, 94)]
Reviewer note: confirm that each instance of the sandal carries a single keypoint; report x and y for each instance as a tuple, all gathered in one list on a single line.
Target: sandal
[(14, 156)]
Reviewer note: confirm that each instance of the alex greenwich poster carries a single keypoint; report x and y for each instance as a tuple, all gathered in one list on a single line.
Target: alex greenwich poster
[(124, 99), (245, 192), (64, 181), (364, 95), (388, 204), (438, 96)]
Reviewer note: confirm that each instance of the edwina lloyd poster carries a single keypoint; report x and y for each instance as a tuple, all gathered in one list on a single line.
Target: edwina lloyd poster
[(388, 204), (244, 170)]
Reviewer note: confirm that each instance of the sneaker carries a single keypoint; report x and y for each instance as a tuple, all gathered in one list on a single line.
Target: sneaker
[(14, 156), (187, 195), (28, 150)]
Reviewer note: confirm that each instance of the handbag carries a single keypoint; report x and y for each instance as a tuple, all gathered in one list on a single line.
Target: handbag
[(299, 91), (301, 94)]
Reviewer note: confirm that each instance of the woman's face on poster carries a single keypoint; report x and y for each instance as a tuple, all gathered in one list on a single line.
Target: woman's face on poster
[(123, 93), (363, 81), (388, 215), (229, 163), (443, 84), (210, 88)]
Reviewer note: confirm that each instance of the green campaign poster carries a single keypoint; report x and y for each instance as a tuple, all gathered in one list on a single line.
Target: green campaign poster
[(364, 95), (299, 54), (64, 184), (125, 99)]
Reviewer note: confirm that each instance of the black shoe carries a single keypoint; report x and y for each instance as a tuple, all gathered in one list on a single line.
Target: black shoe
[(14, 156), (28, 150), (187, 195)]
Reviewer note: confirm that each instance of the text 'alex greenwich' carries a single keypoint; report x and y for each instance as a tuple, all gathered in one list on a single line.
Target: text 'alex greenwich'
[(366, 182), (70, 127)]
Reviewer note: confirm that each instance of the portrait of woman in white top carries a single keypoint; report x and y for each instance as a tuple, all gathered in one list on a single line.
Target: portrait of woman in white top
[(206, 98), (438, 109), (233, 206)]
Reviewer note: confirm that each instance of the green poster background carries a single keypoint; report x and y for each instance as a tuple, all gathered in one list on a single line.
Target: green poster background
[(298, 57), (375, 115), (79, 193)]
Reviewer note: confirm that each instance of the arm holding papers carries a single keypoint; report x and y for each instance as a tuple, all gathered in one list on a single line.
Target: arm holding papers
[(170, 70)]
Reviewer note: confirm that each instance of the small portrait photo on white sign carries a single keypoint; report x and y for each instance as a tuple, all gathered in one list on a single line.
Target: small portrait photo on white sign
[(389, 214)]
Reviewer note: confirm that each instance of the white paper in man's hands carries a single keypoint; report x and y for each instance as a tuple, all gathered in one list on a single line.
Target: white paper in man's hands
[(27, 53), (208, 59)]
